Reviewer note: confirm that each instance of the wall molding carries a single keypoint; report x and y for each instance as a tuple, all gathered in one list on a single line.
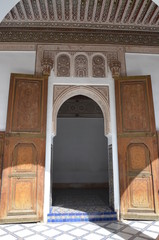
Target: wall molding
[(53, 35)]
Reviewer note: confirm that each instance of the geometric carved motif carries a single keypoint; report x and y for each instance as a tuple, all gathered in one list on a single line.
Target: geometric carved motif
[(27, 104), (139, 172), (63, 66), (74, 63), (138, 157), (23, 178), (140, 193), (98, 65), (135, 115), (24, 157), (22, 195), (81, 66), (80, 106)]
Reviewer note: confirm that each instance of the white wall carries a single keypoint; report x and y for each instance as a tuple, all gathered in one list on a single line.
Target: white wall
[(12, 62), (146, 64), (6, 6), (80, 151)]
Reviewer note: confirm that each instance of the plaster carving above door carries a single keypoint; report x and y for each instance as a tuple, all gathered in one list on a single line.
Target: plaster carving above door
[(80, 60)]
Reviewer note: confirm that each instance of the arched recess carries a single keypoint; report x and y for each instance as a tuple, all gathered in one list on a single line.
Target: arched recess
[(91, 92)]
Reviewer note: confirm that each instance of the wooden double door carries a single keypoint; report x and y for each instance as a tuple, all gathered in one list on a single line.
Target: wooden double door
[(22, 189), (137, 148)]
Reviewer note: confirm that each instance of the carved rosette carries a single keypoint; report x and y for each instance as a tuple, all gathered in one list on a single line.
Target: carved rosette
[(63, 66), (115, 67), (98, 65), (47, 65)]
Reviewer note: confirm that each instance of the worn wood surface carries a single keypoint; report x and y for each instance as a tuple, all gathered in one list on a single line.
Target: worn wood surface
[(24, 150), (1, 155), (137, 148)]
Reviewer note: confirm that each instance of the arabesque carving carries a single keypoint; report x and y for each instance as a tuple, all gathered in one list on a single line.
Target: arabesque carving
[(63, 66), (115, 67), (81, 66), (47, 65), (81, 60), (98, 66), (89, 91)]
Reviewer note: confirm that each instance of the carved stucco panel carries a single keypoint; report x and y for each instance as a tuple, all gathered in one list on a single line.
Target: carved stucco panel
[(58, 90), (109, 53), (96, 93), (81, 66), (98, 66)]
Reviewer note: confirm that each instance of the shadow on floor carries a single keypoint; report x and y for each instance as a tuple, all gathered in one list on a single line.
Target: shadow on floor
[(69, 201)]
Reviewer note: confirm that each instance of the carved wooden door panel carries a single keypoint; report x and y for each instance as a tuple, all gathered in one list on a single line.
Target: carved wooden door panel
[(24, 150), (137, 148)]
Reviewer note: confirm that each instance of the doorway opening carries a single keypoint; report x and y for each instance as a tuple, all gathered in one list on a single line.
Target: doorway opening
[(81, 169)]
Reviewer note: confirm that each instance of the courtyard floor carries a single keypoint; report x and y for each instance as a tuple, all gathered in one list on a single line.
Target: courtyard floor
[(137, 230)]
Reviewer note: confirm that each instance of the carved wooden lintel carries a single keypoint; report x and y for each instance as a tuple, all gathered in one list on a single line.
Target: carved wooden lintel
[(47, 66), (115, 67)]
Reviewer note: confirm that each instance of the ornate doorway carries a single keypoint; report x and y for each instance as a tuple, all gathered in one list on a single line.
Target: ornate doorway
[(80, 164), (103, 95)]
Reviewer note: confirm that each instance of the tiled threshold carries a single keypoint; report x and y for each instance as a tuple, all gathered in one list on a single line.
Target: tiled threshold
[(78, 205)]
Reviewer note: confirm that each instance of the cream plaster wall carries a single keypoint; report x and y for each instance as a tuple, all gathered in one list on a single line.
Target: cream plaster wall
[(80, 151), (146, 64), (12, 62)]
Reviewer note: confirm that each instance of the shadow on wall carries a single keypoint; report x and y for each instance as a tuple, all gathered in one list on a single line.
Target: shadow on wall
[(80, 151)]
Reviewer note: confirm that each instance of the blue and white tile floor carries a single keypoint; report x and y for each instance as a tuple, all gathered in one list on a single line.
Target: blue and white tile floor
[(75, 205), (138, 230), (81, 202)]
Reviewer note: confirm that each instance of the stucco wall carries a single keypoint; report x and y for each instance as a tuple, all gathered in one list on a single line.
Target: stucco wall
[(80, 151), (146, 64), (12, 62)]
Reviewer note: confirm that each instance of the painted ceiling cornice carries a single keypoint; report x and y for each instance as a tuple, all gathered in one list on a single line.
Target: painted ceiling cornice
[(134, 17), (93, 14)]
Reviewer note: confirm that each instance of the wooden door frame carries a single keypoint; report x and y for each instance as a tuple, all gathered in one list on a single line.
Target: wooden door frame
[(83, 84)]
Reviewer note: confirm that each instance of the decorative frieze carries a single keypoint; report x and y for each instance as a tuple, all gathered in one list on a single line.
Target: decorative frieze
[(80, 60), (49, 35)]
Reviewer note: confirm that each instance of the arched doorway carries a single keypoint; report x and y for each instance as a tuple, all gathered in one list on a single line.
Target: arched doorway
[(100, 95), (80, 163), (99, 90)]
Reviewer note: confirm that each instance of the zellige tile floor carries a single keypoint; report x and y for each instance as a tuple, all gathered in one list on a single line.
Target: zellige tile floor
[(138, 230)]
